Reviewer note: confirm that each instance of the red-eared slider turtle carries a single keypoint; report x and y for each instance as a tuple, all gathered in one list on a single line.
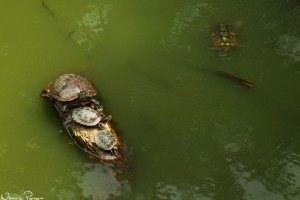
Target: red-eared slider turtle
[(69, 87), (106, 140), (223, 38), (86, 116)]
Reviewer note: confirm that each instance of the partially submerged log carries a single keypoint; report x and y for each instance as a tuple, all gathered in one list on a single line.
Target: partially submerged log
[(84, 136)]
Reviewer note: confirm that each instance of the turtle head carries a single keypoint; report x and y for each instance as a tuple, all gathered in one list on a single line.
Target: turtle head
[(45, 92), (82, 96)]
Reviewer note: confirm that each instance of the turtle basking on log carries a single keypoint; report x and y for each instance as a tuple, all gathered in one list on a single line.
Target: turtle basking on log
[(85, 120), (71, 89)]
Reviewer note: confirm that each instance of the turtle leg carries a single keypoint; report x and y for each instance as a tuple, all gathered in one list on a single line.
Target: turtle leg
[(65, 108), (51, 99), (67, 123), (97, 104), (106, 119), (115, 152), (82, 97)]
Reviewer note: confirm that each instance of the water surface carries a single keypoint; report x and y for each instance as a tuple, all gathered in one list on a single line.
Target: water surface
[(189, 133)]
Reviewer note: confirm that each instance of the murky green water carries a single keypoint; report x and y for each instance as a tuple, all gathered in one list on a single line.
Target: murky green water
[(189, 133)]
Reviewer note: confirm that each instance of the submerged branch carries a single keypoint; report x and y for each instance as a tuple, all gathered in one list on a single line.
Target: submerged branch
[(231, 77)]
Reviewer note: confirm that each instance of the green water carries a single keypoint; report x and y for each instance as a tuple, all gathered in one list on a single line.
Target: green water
[(189, 133)]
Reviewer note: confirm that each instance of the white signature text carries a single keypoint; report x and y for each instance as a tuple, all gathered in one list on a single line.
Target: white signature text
[(27, 195)]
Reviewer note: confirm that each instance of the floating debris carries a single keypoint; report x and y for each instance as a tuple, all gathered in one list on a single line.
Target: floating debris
[(234, 78)]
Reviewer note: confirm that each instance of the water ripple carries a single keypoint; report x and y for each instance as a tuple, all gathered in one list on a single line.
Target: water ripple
[(92, 23), (184, 19), (290, 18), (289, 46), (174, 192)]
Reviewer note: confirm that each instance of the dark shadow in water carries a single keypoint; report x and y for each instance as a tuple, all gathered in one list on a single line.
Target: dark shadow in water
[(46, 7), (230, 77)]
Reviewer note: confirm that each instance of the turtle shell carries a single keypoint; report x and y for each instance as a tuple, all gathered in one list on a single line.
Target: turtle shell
[(105, 139), (68, 87), (86, 116), (224, 37)]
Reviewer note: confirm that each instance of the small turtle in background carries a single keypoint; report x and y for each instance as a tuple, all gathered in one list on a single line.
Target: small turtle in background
[(223, 38)]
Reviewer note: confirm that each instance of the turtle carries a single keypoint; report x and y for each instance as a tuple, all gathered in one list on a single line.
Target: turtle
[(106, 140), (87, 116), (223, 38), (69, 87)]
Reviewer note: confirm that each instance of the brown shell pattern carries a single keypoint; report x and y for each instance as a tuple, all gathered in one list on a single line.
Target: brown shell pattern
[(224, 37), (86, 116), (106, 140), (67, 87)]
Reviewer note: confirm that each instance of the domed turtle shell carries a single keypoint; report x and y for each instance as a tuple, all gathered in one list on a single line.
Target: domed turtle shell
[(224, 37), (68, 87), (106, 140), (86, 116)]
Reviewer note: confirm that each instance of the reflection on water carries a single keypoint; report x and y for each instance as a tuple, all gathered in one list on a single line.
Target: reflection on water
[(280, 177), (98, 181), (94, 180), (3, 149), (289, 46), (274, 176), (92, 23), (173, 192), (290, 19), (4, 50), (233, 135), (193, 13), (32, 145)]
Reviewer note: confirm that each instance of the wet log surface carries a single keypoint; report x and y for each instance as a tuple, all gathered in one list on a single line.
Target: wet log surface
[(84, 136)]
